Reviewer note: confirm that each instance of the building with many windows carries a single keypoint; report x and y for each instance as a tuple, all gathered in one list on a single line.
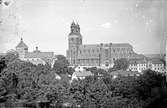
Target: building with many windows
[(99, 55), (140, 65), (156, 65)]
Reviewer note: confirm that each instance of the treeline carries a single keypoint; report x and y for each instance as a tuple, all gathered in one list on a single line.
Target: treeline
[(24, 81)]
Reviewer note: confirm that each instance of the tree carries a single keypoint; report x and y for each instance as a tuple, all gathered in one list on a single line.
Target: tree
[(147, 81), (89, 93), (61, 65), (2, 63), (121, 64), (11, 56)]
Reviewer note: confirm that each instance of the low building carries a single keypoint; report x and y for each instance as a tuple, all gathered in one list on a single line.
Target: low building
[(137, 65), (117, 73), (156, 65), (140, 65), (133, 65), (80, 73)]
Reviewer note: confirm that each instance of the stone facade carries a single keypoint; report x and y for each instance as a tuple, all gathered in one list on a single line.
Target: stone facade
[(99, 55)]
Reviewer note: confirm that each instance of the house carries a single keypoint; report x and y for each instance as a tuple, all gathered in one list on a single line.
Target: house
[(80, 73), (156, 65), (138, 65), (117, 73)]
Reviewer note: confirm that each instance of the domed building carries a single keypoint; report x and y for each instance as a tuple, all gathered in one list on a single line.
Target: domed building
[(36, 57)]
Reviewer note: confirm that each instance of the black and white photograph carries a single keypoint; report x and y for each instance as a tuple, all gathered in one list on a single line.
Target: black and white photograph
[(83, 53)]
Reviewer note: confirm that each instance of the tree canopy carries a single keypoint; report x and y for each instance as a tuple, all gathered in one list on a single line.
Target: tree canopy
[(121, 64), (20, 80)]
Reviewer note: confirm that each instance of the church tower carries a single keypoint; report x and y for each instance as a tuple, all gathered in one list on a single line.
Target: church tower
[(74, 41), (22, 49)]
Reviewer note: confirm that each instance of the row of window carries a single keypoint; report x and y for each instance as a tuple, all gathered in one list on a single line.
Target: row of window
[(142, 69), (88, 61), (77, 39), (35, 59), (157, 69), (97, 51), (134, 69), (156, 65)]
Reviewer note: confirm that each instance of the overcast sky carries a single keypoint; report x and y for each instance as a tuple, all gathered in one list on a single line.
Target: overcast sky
[(46, 23)]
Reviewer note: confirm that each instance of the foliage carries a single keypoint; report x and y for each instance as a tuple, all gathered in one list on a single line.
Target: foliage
[(121, 64), (61, 65), (26, 81), (2, 63), (111, 70), (149, 80)]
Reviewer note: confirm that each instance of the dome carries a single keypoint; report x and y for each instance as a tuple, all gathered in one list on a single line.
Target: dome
[(21, 44)]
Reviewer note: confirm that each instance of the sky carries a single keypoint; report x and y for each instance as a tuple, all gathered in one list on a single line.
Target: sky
[(46, 23)]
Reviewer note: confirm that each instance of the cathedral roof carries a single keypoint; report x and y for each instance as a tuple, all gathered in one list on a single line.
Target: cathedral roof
[(21, 44), (121, 45), (104, 45)]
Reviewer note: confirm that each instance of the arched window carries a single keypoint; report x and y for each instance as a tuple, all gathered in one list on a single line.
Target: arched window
[(114, 50), (92, 50), (72, 39)]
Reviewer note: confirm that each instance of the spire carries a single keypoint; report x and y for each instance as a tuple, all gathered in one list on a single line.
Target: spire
[(75, 28), (73, 23), (77, 24), (21, 39)]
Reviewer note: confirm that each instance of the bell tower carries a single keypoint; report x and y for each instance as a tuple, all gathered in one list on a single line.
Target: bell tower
[(74, 41), (74, 38)]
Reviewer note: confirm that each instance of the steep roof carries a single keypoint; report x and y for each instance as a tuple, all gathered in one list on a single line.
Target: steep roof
[(39, 55), (156, 61), (137, 61), (153, 56), (21, 44)]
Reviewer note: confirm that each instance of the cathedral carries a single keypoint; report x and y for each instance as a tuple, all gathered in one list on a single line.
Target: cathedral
[(95, 55)]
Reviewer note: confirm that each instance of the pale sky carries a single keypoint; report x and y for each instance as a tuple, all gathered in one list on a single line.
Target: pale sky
[(46, 23)]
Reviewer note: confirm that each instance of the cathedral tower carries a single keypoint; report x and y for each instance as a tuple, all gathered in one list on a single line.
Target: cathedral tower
[(74, 41)]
